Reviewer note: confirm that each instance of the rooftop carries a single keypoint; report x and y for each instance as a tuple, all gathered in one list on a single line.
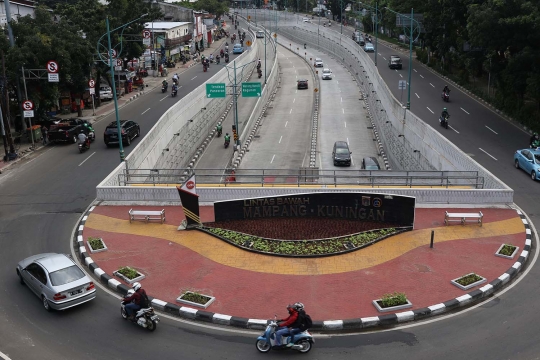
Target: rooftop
[(164, 25)]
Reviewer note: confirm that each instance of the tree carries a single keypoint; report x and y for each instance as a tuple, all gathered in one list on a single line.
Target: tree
[(214, 7)]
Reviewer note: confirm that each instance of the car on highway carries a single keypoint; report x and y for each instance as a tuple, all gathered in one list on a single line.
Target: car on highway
[(529, 161), (327, 74), (370, 163), (56, 280), (341, 153), (237, 49), (395, 62), (130, 130), (260, 34), (105, 93), (369, 47), (302, 84), (318, 62), (305, 20)]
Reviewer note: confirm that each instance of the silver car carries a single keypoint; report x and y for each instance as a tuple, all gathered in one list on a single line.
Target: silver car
[(327, 74), (318, 63), (105, 93), (56, 280)]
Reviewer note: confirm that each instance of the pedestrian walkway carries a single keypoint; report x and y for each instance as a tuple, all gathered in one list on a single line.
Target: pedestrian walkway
[(253, 285)]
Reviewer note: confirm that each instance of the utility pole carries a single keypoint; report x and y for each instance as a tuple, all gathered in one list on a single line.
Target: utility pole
[(5, 119)]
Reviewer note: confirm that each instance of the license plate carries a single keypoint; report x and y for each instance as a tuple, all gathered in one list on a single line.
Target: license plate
[(76, 292), (154, 318)]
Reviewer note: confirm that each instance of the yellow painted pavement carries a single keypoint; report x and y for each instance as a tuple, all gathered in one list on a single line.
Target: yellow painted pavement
[(225, 254)]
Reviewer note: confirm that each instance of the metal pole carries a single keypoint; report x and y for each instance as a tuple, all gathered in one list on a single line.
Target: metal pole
[(236, 105), (489, 75), (341, 15), (376, 30), (4, 138), (265, 68), (29, 119), (410, 63), (118, 127)]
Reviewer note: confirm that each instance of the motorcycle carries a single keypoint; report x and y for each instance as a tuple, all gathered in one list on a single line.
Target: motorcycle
[(302, 341), (84, 147), (226, 58), (259, 72), (445, 96), (444, 121), (143, 72), (205, 67), (92, 135), (174, 92), (226, 143), (164, 88), (145, 317), (175, 81), (217, 60), (219, 132)]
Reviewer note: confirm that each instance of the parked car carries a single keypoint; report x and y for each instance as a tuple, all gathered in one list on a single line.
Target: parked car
[(105, 93), (529, 161), (260, 34), (341, 153), (237, 49), (370, 163), (130, 130), (368, 47), (318, 63), (67, 130), (327, 74), (47, 121), (302, 84), (56, 280), (395, 62)]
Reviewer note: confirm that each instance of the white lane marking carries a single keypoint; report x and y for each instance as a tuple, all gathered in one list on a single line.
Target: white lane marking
[(485, 152), (421, 76), (286, 122), (347, 141), (415, 70), (431, 84), (465, 111), (384, 58), (379, 54), (273, 158), (4, 356), (345, 123), (164, 98), (496, 133), (343, 110), (453, 129), (341, 99), (352, 161), (417, 95), (337, 83), (400, 75), (430, 110), (281, 137), (294, 100), (145, 111), (194, 77), (290, 112), (87, 158)]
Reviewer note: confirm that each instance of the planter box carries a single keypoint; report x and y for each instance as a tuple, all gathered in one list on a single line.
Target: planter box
[(391, 308), (191, 303), (506, 256), (139, 277), (98, 250), (483, 280)]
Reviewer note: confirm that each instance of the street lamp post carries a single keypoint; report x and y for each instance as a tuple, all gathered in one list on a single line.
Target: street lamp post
[(377, 13), (410, 49), (110, 63)]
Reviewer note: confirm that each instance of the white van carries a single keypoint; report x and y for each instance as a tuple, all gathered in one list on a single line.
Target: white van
[(260, 34)]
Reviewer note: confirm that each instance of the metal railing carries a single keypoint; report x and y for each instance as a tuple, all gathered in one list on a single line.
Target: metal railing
[(305, 176)]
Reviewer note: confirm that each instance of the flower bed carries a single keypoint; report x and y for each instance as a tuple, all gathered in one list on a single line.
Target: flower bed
[(507, 251), (392, 302), (129, 274), (96, 245), (195, 299), (468, 281), (302, 248)]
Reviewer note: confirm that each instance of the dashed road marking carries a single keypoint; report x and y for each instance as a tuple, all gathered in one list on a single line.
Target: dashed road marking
[(430, 110), (417, 95), (465, 111), (431, 84), (273, 157), (281, 137), (145, 111), (421, 76), (488, 154), (496, 133)]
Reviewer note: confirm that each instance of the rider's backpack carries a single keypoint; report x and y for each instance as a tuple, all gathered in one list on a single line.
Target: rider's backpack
[(305, 320), (144, 302)]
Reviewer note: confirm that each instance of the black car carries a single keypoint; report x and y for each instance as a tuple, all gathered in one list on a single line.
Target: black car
[(130, 130), (370, 163), (341, 153), (395, 62), (302, 84)]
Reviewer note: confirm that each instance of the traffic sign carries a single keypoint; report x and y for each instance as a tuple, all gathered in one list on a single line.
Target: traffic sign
[(28, 105), (91, 83), (53, 77), (119, 62), (113, 53), (248, 43), (215, 90), (146, 34), (251, 89), (52, 67), (402, 84)]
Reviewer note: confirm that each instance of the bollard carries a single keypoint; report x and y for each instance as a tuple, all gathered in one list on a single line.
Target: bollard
[(432, 236)]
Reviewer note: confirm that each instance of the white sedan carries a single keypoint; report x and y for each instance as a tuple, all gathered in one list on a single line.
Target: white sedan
[(327, 74), (305, 20), (318, 63)]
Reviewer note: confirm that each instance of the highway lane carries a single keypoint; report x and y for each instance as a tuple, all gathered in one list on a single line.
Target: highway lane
[(283, 139)]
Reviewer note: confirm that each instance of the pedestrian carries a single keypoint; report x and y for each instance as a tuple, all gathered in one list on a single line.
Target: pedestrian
[(45, 134)]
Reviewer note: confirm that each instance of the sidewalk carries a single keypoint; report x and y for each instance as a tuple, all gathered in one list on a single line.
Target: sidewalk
[(256, 286)]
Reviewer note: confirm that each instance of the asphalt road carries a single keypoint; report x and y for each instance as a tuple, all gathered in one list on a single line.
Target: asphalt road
[(41, 202)]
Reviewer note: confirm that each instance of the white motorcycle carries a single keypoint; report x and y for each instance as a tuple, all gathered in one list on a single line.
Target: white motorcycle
[(145, 317)]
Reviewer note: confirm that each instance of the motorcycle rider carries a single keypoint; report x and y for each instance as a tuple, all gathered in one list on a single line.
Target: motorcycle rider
[(227, 138), (219, 128), (445, 114), (133, 301), (535, 141), (175, 78), (83, 139), (175, 88), (211, 57), (446, 90), (296, 327), (258, 63), (89, 128), (165, 83), (286, 324)]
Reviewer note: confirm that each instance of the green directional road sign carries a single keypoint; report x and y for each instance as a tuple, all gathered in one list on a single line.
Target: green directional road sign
[(251, 89), (215, 90)]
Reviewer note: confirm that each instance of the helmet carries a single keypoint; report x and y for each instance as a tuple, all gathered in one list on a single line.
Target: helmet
[(444, 109), (298, 306), (227, 134), (82, 131), (136, 286)]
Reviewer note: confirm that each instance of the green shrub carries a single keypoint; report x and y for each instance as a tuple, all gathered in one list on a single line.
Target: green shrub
[(128, 272), (96, 243), (507, 250), (395, 299)]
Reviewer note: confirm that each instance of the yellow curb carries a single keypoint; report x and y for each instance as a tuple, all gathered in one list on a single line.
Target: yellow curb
[(226, 254)]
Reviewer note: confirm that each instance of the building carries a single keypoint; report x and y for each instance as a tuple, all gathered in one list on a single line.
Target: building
[(18, 8), (170, 38)]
